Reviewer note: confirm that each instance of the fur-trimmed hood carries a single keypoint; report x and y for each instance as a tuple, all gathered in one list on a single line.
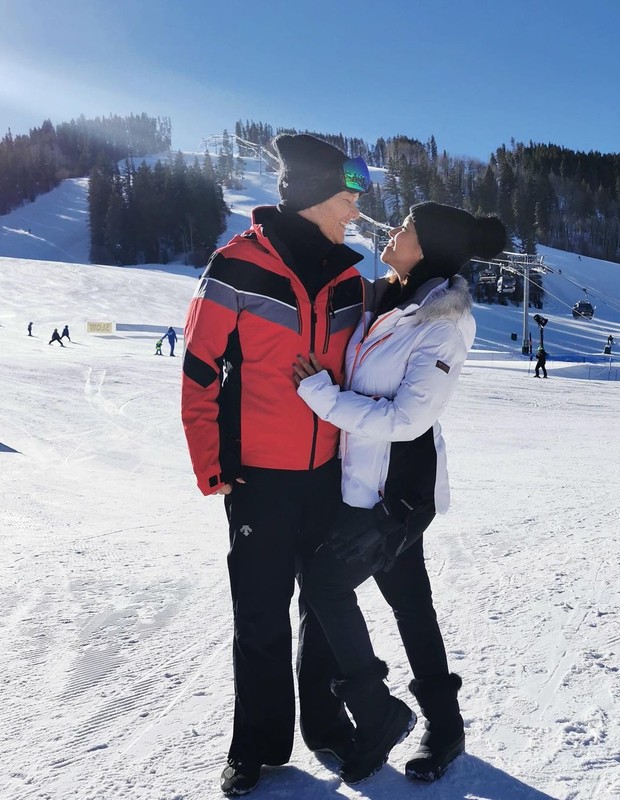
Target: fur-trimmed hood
[(449, 300), (436, 300)]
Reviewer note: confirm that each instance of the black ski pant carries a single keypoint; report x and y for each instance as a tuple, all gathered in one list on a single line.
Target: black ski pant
[(540, 365), (330, 585), (277, 520)]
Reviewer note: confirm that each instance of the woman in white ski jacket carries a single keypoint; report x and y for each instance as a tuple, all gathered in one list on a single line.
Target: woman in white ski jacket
[(402, 367), (401, 372)]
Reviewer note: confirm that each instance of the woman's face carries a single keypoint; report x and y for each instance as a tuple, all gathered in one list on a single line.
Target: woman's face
[(403, 251)]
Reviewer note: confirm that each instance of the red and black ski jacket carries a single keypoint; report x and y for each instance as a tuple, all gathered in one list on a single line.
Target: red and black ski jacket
[(249, 318)]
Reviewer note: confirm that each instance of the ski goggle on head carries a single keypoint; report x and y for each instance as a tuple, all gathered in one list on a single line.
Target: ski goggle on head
[(356, 175)]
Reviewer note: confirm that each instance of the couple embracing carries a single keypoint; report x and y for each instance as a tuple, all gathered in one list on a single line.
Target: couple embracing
[(310, 401)]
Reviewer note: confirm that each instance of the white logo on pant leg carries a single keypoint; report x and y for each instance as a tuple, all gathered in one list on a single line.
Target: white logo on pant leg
[(245, 530)]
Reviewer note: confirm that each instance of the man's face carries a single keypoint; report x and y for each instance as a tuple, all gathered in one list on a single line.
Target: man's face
[(334, 214)]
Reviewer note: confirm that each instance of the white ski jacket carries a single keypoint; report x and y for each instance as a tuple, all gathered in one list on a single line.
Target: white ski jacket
[(400, 375)]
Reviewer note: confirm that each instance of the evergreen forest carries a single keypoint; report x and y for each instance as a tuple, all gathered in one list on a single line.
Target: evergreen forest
[(34, 163), (137, 214), (151, 214)]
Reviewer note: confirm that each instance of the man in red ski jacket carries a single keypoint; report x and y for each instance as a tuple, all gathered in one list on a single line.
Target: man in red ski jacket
[(288, 285)]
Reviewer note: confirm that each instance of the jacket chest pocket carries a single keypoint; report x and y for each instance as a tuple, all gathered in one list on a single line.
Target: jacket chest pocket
[(330, 316)]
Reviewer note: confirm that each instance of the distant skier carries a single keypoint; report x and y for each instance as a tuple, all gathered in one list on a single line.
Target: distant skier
[(30, 329), (541, 360), (610, 339), (65, 332), (158, 345), (56, 337), (172, 337)]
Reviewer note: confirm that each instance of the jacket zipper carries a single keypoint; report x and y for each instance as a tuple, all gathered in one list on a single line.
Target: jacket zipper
[(373, 345), (358, 360), (315, 430), (315, 419), (329, 316), (300, 325)]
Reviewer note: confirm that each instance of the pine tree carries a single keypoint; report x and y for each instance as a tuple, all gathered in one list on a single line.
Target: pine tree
[(391, 193), (114, 225), (486, 195), (506, 188), (99, 191)]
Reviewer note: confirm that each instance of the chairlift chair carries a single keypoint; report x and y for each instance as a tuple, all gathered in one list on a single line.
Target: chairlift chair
[(487, 275), (583, 309), (506, 283)]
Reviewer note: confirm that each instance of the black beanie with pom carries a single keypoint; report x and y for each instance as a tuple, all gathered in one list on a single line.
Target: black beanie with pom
[(310, 170), (450, 237)]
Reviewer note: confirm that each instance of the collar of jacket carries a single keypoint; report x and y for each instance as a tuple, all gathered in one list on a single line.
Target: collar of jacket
[(436, 299), (286, 232)]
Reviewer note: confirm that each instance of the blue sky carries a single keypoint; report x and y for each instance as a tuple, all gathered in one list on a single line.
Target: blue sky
[(473, 74)]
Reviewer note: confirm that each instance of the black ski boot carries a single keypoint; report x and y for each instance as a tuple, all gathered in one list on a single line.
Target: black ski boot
[(444, 737), (337, 742), (239, 777), (381, 721)]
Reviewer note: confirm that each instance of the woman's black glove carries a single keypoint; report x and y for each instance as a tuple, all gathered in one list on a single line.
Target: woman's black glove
[(369, 534)]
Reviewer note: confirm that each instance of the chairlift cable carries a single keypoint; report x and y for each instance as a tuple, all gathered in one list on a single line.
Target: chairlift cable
[(259, 150), (382, 225), (613, 305), (538, 267), (550, 294)]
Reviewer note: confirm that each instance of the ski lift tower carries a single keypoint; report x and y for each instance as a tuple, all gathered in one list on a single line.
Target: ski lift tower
[(379, 230), (262, 152), (524, 264), (210, 143)]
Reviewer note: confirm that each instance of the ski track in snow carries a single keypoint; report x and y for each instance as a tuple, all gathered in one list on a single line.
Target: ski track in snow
[(115, 617)]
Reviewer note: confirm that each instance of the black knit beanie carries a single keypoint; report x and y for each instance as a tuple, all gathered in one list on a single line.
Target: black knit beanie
[(310, 170), (450, 237)]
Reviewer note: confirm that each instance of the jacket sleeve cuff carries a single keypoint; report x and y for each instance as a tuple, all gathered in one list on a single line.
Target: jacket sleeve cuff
[(211, 484), (318, 392)]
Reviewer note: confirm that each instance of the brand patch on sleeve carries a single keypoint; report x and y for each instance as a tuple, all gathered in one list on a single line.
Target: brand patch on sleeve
[(442, 366)]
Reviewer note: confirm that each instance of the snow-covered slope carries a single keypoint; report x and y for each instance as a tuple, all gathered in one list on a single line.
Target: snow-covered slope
[(53, 228)]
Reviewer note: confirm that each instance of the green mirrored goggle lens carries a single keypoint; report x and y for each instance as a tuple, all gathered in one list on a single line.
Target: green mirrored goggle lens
[(356, 175)]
